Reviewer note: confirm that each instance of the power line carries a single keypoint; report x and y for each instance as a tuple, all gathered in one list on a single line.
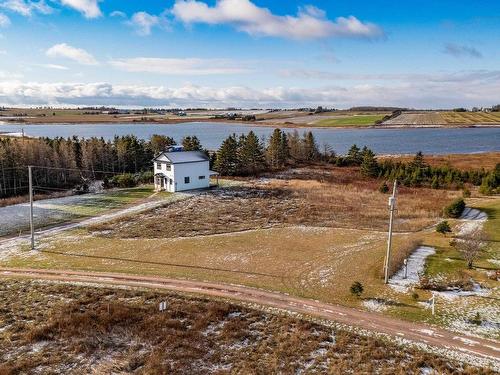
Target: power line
[(46, 188), (78, 170)]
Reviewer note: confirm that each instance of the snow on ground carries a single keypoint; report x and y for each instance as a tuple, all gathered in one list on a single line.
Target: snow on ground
[(477, 290), (374, 305), (416, 263), (472, 220), (12, 246)]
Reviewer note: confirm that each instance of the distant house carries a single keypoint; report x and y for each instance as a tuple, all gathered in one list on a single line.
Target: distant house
[(178, 170)]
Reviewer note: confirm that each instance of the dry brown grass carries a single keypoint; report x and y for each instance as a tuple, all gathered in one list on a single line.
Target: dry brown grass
[(460, 161), (68, 329), (323, 196)]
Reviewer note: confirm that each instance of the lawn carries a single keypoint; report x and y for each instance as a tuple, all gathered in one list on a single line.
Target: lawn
[(47, 212), (356, 120)]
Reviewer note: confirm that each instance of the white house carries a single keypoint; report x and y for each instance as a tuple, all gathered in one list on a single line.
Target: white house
[(178, 170)]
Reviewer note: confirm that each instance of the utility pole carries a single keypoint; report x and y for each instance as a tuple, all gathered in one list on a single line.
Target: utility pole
[(392, 207), (32, 226)]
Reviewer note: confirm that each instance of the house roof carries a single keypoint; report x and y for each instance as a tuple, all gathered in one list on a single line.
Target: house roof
[(178, 157)]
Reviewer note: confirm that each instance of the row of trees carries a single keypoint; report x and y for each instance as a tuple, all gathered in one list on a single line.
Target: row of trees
[(66, 162), (72, 161), (418, 173), (248, 155)]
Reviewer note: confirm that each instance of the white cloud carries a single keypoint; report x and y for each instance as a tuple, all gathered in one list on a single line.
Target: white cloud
[(53, 66), (188, 66), (4, 20), (78, 55), (144, 22), (118, 13), (458, 50), (446, 91), (309, 23), (26, 8), (89, 8)]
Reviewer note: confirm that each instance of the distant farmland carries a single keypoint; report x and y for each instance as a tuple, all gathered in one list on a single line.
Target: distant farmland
[(445, 118)]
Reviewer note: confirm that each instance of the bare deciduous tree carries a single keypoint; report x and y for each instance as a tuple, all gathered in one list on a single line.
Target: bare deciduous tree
[(471, 245)]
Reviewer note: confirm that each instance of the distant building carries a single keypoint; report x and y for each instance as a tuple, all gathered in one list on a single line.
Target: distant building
[(178, 170)]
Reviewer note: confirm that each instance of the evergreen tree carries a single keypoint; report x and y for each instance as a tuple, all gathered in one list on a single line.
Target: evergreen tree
[(191, 144), (295, 146), (226, 162), (354, 155), (418, 161), (275, 153), (369, 165), (310, 147), (251, 154), (160, 143)]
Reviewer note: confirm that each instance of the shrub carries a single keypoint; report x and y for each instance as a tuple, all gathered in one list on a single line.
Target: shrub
[(356, 288), (477, 320), (443, 227), (125, 180), (145, 177), (415, 296), (384, 189), (455, 209), (466, 193)]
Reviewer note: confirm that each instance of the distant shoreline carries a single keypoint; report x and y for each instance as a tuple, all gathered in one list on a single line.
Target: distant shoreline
[(264, 123)]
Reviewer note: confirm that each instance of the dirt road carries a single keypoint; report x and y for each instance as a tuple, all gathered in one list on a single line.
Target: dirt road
[(419, 333)]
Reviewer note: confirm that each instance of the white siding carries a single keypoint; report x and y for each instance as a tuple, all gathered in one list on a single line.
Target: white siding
[(193, 171), (179, 172)]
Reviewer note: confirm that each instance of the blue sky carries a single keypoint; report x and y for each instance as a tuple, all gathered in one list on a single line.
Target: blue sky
[(250, 53)]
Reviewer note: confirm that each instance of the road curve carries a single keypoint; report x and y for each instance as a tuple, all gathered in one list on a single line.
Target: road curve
[(416, 332)]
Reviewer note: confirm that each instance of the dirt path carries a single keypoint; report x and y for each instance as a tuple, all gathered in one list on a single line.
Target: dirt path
[(418, 333)]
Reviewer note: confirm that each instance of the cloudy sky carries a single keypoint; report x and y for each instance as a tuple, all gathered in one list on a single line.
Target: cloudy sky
[(250, 53)]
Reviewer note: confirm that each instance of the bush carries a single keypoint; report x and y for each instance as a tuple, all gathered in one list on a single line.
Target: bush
[(125, 180), (356, 288), (443, 227), (145, 177), (466, 193), (477, 320), (415, 296), (384, 189), (455, 209)]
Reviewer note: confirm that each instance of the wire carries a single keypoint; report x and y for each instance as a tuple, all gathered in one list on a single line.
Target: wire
[(49, 188), (77, 170), (15, 187)]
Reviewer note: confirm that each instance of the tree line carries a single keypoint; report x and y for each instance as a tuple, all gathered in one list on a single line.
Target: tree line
[(69, 162)]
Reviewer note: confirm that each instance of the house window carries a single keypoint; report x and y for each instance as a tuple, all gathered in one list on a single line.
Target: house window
[(186, 180), (169, 167), (201, 177), (158, 165)]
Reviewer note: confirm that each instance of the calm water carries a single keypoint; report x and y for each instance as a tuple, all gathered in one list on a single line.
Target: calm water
[(383, 141)]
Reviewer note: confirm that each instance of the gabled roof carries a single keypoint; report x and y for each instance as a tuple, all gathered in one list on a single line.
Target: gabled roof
[(178, 157)]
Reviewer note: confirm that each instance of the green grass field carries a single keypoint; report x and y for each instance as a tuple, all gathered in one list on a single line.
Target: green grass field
[(357, 120)]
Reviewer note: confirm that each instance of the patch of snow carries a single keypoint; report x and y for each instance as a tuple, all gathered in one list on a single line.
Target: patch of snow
[(374, 305), (415, 264), (427, 371), (473, 219), (477, 290), (473, 214)]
